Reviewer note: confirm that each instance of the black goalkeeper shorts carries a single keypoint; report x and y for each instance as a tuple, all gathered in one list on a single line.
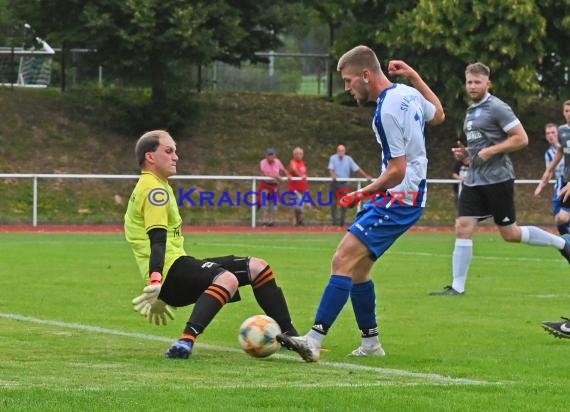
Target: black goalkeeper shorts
[(189, 277)]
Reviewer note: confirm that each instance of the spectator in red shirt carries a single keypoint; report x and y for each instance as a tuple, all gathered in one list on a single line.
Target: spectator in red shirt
[(298, 169)]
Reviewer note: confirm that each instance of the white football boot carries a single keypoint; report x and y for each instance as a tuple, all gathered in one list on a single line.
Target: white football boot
[(364, 351), (308, 348)]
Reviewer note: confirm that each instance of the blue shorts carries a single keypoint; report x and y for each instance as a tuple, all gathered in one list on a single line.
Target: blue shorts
[(378, 227), (556, 205)]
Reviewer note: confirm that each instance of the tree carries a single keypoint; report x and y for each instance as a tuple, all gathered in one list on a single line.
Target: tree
[(525, 42), (332, 13), (5, 23), (150, 35), (354, 22), (442, 37), (554, 68)]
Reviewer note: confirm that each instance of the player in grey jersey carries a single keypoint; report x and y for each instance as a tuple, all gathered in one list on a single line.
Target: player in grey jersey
[(492, 131)]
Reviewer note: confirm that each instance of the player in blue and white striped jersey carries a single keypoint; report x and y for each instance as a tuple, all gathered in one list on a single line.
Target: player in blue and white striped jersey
[(493, 131), (551, 135), (562, 329), (562, 154), (396, 199)]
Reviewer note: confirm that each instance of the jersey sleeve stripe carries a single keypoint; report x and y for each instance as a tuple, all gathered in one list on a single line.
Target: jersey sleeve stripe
[(511, 125)]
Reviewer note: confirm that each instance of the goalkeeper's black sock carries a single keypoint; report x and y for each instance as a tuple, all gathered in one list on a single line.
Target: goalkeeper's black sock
[(271, 299), (206, 308)]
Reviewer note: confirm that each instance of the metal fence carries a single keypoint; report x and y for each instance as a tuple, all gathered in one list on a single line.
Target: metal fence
[(290, 73), (89, 200)]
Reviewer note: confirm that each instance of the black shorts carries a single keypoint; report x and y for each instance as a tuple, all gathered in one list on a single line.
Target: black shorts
[(495, 200), (189, 277)]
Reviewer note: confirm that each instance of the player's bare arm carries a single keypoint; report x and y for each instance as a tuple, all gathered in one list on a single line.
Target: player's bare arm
[(401, 68), (549, 170), (564, 192), (460, 151), (517, 139), (392, 176)]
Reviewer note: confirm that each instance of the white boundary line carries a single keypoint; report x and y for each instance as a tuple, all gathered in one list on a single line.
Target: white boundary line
[(392, 252), (331, 249), (431, 377)]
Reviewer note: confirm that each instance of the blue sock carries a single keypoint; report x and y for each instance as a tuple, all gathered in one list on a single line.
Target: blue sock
[(333, 300), (563, 229), (363, 299)]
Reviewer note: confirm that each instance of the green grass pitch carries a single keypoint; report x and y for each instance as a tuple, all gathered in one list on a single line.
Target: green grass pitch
[(70, 341)]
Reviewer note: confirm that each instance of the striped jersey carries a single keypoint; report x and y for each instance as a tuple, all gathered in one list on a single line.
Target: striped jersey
[(564, 142), (398, 124), (548, 156)]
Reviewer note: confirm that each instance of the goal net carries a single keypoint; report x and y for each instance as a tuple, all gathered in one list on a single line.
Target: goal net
[(26, 68)]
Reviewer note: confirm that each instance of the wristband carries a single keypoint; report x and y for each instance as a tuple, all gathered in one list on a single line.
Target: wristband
[(155, 278)]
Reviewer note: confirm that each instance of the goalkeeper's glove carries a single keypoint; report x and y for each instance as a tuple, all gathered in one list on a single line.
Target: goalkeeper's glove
[(144, 302), (159, 311)]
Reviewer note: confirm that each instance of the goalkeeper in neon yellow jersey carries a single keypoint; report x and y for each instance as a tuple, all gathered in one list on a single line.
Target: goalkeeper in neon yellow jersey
[(153, 227)]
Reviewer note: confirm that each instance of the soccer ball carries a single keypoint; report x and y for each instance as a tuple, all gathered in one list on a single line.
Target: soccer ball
[(257, 336)]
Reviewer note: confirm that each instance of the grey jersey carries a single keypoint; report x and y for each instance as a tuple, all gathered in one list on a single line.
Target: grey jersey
[(486, 124), (564, 142)]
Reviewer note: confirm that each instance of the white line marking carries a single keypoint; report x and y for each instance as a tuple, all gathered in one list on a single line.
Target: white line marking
[(331, 250), (432, 377), (392, 252), (266, 385), (549, 296)]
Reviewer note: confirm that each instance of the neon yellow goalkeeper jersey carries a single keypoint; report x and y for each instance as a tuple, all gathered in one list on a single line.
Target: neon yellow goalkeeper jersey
[(153, 205)]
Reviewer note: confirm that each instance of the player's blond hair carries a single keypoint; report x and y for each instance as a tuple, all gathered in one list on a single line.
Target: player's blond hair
[(148, 142), (360, 58), (477, 69)]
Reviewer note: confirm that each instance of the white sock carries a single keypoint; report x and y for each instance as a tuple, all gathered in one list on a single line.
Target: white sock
[(533, 235), (319, 337), (462, 255), (371, 341)]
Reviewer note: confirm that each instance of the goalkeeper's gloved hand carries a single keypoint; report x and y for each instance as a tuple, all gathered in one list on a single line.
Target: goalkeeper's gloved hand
[(144, 302), (159, 311)]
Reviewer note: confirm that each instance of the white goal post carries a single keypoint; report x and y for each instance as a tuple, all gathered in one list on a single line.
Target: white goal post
[(26, 68)]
